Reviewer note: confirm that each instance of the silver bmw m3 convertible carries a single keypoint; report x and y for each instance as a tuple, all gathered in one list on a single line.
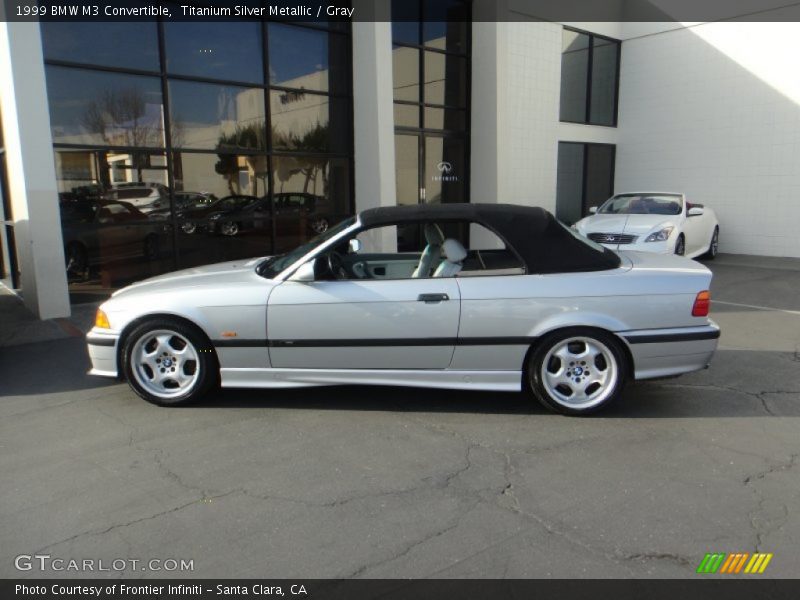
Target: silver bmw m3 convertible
[(466, 296)]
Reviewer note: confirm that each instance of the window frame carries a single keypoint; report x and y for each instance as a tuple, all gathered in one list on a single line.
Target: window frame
[(589, 75), (164, 75)]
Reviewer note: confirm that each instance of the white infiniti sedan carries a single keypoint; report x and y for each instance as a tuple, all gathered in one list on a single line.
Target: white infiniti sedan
[(661, 222)]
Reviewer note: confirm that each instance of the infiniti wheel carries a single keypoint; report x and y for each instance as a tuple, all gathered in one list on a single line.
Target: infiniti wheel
[(680, 245)]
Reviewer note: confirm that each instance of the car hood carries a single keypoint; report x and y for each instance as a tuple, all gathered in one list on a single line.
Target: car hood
[(219, 274), (632, 224)]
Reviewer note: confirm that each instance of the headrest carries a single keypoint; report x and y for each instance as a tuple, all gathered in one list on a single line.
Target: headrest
[(433, 235), (454, 251)]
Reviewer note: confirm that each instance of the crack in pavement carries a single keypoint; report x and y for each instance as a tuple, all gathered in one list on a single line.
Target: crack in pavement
[(761, 524), (99, 532)]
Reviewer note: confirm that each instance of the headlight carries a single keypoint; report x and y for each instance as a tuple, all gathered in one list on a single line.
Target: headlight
[(660, 236)]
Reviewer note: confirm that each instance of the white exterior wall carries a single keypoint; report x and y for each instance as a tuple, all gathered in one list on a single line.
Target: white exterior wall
[(529, 100), (713, 110), (31, 173)]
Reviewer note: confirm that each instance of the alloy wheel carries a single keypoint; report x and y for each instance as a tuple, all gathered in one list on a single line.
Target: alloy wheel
[(165, 363), (579, 372)]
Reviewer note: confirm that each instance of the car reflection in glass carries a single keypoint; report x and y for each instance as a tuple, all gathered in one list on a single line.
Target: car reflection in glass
[(101, 231), (291, 210)]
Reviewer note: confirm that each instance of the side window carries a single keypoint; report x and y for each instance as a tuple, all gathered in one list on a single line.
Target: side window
[(488, 255), (451, 249)]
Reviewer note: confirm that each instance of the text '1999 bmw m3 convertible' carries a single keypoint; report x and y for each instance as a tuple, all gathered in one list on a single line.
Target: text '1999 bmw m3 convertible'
[(465, 296)]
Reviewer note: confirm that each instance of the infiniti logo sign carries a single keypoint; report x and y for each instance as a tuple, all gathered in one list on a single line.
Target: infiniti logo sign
[(446, 170)]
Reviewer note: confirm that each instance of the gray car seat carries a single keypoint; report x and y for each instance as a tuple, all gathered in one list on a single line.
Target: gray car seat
[(454, 254), (432, 253)]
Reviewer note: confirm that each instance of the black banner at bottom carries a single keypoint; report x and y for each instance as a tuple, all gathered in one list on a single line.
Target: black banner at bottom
[(320, 589)]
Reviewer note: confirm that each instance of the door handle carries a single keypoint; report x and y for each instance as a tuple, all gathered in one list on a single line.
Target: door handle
[(432, 298)]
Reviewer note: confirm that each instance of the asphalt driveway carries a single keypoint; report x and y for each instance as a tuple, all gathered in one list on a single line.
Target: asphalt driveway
[(390, 482)]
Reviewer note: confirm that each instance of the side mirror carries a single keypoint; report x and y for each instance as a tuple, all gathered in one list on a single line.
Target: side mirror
[(305, 273), (695, 211), (593, 210), (354, 246)]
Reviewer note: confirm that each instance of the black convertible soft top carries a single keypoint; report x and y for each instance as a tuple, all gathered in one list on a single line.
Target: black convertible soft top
[(541, 241)]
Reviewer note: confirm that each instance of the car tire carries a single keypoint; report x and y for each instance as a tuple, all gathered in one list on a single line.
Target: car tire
[(319, 225), (188, 228), (577, 371), (680, 245), (152, 248), (169, 362), (229, 229), (713, 246), (76, 258)]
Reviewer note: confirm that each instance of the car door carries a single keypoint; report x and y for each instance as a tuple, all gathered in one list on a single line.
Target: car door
[(363, 324)]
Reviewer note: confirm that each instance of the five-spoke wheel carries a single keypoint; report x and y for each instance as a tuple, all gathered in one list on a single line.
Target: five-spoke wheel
[(577, 371), (168, 362)]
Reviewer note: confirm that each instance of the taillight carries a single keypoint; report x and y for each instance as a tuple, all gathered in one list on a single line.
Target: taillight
[(702, 304)]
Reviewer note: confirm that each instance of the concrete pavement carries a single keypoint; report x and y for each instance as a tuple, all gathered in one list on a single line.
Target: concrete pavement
[(390, 482)]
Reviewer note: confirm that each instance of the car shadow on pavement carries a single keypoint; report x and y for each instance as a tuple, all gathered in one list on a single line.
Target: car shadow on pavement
[(47, 367)]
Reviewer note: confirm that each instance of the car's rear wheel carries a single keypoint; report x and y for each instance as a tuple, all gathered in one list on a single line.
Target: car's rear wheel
[(169, 362), (577, 371), (152, 248), (713, 246), (680, 245), (319, 225), (76, 259), (189, 228), (230, 229)]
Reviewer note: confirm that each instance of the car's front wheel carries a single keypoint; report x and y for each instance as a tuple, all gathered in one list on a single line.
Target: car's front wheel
[(680, 245), (169, 362), (713, 246), (577, 371)]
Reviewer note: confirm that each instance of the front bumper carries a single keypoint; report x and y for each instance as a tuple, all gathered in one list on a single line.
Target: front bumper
[(669, 352), (667, 247), (102, 345)]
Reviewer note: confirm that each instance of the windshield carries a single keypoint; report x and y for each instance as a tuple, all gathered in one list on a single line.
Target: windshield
[(274, 265), (642, 204)]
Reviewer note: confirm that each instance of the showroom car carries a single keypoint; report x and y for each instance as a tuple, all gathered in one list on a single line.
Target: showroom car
[(310, 211), (653, 222), (97, 231), (501, 298)]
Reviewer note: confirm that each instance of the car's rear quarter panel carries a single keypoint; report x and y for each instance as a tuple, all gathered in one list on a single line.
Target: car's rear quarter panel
[(620, 300)]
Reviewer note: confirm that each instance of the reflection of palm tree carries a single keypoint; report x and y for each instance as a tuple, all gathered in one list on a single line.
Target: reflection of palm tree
[(253, 137), (313, 140), (244, 137)]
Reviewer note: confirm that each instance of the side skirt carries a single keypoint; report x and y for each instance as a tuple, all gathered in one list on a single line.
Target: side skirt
[(499, 381)]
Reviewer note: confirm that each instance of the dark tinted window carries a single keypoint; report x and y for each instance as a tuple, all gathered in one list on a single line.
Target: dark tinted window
[(589, 78), (305, 58), (93, 107), (574, 72), (301, 122), (585, 178), (206, 115), (131, 45), (228, 50)]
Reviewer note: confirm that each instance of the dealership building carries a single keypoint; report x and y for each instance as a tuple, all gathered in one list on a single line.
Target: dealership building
[(122, 143)]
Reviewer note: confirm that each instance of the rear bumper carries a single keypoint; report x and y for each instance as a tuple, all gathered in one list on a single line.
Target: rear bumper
[(667, 352), (102, 346)]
